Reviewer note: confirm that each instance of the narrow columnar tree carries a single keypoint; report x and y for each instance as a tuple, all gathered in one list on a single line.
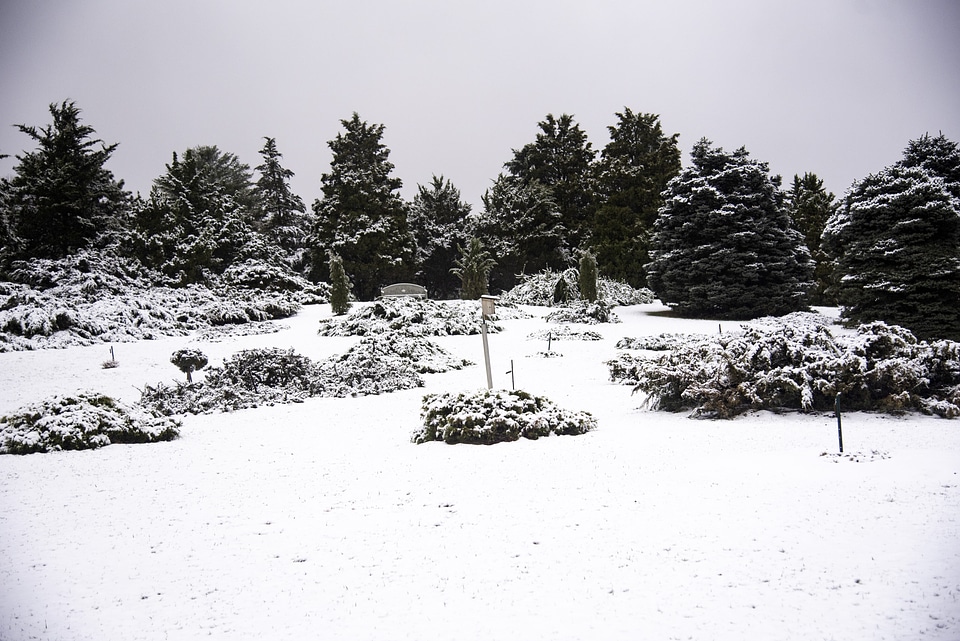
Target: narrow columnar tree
[(588, 277), (896, 241), (810, 206), (282, 212), (473, 269), (339, 287), (723, 246)]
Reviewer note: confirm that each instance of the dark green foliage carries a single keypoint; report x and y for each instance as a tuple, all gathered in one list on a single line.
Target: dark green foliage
[(723, 246), (473, 269), (810, 206), (896, 241), (339, 287), (188, 361), (587, 277), (361, 216), (282, 213), (489, 417), (560, 160), (438, 220), (633, 170), (85, 421), (61, 197), (200, 218), (522, 227), (562, 292), (796, 363)]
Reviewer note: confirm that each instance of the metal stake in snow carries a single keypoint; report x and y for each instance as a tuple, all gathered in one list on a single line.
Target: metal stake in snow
[(513, 381), (487, 308), (839, 425)]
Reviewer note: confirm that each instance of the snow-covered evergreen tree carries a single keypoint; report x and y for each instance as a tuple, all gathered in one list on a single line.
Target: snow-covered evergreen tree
[(810, 206), (361, 216), (521, 226), (560, 160), (283, 213), (896, 240), (587, 277), (339, 287), (61, 196), (634, 168), (723, 245), (438, 220), (199, 218)]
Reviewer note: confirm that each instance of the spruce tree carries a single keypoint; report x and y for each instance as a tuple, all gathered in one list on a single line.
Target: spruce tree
[(61, 195), (473, 269), (339, 287), (438, 220), (723, 245), (282, 212), (810, 206), (633, 170), (361, 216), (896, 241), (588, 277)]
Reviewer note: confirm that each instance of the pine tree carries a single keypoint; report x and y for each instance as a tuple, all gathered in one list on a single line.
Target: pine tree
[(810, 206), (361, 216), (896, 240), (282, 212), (438, 220), (723, 245), (633, 170), (588, 277), (521, 226), (560, 160), (473, 269), (61, 196), (339, 287)]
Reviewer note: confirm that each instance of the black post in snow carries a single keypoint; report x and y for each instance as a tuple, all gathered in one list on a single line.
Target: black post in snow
[(839, 424)]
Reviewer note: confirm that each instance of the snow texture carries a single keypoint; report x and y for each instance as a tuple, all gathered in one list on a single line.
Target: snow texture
[(321, 520)]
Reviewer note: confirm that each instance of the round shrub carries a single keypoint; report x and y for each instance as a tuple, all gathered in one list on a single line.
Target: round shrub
[(496, 416), (85, 421), (188, 361)]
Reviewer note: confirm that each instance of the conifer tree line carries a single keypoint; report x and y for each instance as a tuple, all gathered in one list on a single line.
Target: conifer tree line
[(720, 238)]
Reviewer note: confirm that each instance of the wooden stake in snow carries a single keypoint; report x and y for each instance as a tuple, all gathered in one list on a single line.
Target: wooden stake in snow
[(839, 425)]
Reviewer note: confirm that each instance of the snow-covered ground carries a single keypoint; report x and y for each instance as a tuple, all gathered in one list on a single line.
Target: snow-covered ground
[(321, 520)]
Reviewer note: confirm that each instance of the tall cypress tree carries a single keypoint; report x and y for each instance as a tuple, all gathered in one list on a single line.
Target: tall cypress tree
[(810, 206), (61, 195), (896, 240), (723, 245), (633, 170), (361, 216)]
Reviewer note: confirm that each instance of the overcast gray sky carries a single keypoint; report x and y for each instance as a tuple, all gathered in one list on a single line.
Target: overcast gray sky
[(836, 87)]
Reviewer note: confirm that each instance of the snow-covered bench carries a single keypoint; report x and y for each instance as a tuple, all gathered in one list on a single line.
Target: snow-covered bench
[(399, 290)]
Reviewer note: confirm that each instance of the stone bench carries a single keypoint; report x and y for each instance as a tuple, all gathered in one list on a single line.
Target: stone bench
[(399, 290)]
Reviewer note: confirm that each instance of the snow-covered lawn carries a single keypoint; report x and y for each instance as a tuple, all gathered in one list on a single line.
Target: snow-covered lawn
[(321, 520)]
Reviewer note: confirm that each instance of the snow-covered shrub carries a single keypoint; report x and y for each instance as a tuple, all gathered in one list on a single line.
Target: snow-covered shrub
[(378, 364), (565, 333), (259, 275), (495, 416), (659, 343), (583, 312), (414, 317), (538, 289), (796, 362), (85, 421)]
